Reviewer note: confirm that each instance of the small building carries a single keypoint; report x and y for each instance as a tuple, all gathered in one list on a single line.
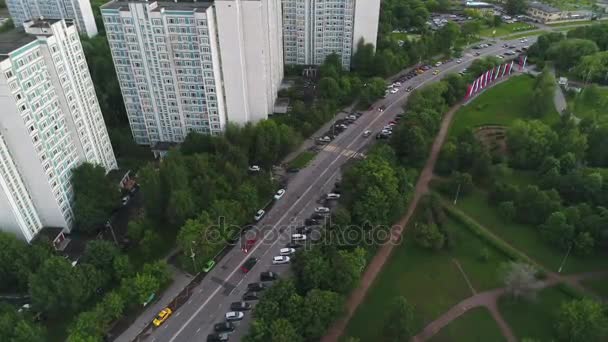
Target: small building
[(563, 82), (543, 13)]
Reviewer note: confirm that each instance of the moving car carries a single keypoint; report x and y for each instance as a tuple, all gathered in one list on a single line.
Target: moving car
[(325, 139), (240, 306), (279, 260), (223, 327), (332, 196), (381, 108), (436, 72), (259, 214), (279, 194), (208, 266), (250, 295), (322, 210), (394, 91), (367, 133), (459, 61), (268, 276), (254, 168), (232, 316), (162, 316), (298, 237), (287, 251), (256, 287), (248, 244), (222, 337), (409, 89), (248, 265)]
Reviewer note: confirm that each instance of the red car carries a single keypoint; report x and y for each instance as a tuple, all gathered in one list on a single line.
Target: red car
[(392, 122), (248, 265), (248, 244)]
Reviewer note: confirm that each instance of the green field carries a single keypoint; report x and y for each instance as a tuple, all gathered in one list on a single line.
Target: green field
[(599, 286), (571, 5), (302, 159), (499, 105), (429, 280), (579, 23), (525, 34), (525, 237), (476, 325), (589, 108), (536, 318), (506, 29)]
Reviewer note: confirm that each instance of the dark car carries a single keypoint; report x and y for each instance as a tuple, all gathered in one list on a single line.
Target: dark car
[(303, 230), (293, 244), (293, 170), (251, 296), (317, 216), (268, 276), (240, 306), (248, 265), (217, 337), (381, 136), (223, 327), (311, 222), (256, 287)]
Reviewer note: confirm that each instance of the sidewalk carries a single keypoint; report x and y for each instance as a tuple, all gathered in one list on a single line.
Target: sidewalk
[(179, 282)]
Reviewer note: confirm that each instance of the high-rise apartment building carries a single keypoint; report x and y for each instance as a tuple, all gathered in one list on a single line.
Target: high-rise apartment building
[(77, 10), (188, 66), (50, 123), (314, 29)]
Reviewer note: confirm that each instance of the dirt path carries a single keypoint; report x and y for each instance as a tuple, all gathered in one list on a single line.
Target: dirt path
[(374, 267)]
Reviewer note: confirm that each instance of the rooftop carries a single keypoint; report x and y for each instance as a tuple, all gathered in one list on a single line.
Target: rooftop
[(12, 40), (171, 5), (543, 7)]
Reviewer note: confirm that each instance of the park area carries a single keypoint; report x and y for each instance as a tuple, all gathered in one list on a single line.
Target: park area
[(506, 29)]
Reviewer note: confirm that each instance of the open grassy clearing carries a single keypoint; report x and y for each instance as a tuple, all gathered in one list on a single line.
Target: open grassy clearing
[(533, 319), (302, 159), (579, 23), (599, 286), (476, 325), (525, 34), (506, 29), (526, 238), (429, 280), (583, 107), (499, 105)]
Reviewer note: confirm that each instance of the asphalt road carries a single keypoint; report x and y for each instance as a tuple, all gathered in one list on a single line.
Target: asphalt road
[(226, 283)]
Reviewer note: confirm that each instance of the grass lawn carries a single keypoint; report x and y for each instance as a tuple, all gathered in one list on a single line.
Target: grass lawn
[(429, 280), (585, 107), (302, 159), (582, 22), (476, 325), (499, 105), (525, 34), (506, 29), (534, 319), (526, 238), (599, 286)]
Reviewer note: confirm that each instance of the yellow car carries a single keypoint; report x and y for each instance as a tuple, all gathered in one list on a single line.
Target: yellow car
[(162, 317), (436, 72)]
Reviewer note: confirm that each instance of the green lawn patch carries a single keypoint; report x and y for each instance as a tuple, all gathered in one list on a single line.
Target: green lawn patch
[(534, 319), (526, 238), (585, 107), (506, 29), (499, 105), (429, 280), (579, 23), (476, 325), (302, 159), (524, 34), (599, 286)]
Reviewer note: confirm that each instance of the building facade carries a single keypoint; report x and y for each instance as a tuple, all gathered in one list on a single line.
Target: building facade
[(50, 123), (77, 10), (189, 66), (314, 29), (544, 13)]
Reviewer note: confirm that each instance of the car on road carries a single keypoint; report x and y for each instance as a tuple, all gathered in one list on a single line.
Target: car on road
[(240, 306), (232, 316), (279, 260), (322, 210), (311, 222), (325, 139), (287, 251), (162, 316), (248, 244), (298, 237), (303, 230), (279, 194), (477, 54), (268, 276), (381, 135), (459, 61), (259, 214), (409, 89), (250, 295), (351, 117), (367, 133), (254, 168), (256, 287), (223, 337), (332, 196), (317, 216), (509, 53), (393, 90), (224, 327), (381, 108), (436, 72), (293, 170), (438, 64), (208, 266), (248, 265)]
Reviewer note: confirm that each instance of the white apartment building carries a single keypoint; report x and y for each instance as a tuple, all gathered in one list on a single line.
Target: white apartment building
[(50, 123), (188, 66), (77, 10), (314, 29)]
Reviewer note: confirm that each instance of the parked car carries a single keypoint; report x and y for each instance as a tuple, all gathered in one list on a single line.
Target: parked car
[(124, 200), (367, 133), (459, 61), (325, 139), (256, 287), (254, 168), (409, 89), (268, 276), (222, 337), (394, 91), (317, 216), (298, 237), (293, 170), (208, 266), (248, 265), (259, 214), (248, 244), (332, 196), (287, 251), (436, 72), (279, 260), (232, 316), (162, 316), (279, 194), (240, 306), (250, 295), (223, 327), (322, 210), (311, 222)]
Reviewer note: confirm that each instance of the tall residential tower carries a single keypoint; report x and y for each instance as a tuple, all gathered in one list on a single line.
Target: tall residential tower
[(314, 29), (50, 123), (188, 66), (77, 10)]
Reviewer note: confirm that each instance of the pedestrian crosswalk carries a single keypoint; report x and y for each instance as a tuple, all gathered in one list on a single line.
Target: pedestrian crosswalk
[(345, 152)]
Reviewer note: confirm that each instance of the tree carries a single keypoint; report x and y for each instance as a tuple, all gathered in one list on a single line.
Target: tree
[(530, 142), (347, 269), (282, 330), (320, 309), (429, 236), (514, 7), (144, 285), (520, 279), (582, 320), (399, 321), (584, 243), (541, 102), (507, 210), (593, 68), (363, 59), (15, 327), (568, 52), (181, 206), (101, 254), (557, 230), (329, 88), (95, 196)]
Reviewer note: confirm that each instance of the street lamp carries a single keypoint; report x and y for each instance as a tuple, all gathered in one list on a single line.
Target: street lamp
[(193, 255)]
